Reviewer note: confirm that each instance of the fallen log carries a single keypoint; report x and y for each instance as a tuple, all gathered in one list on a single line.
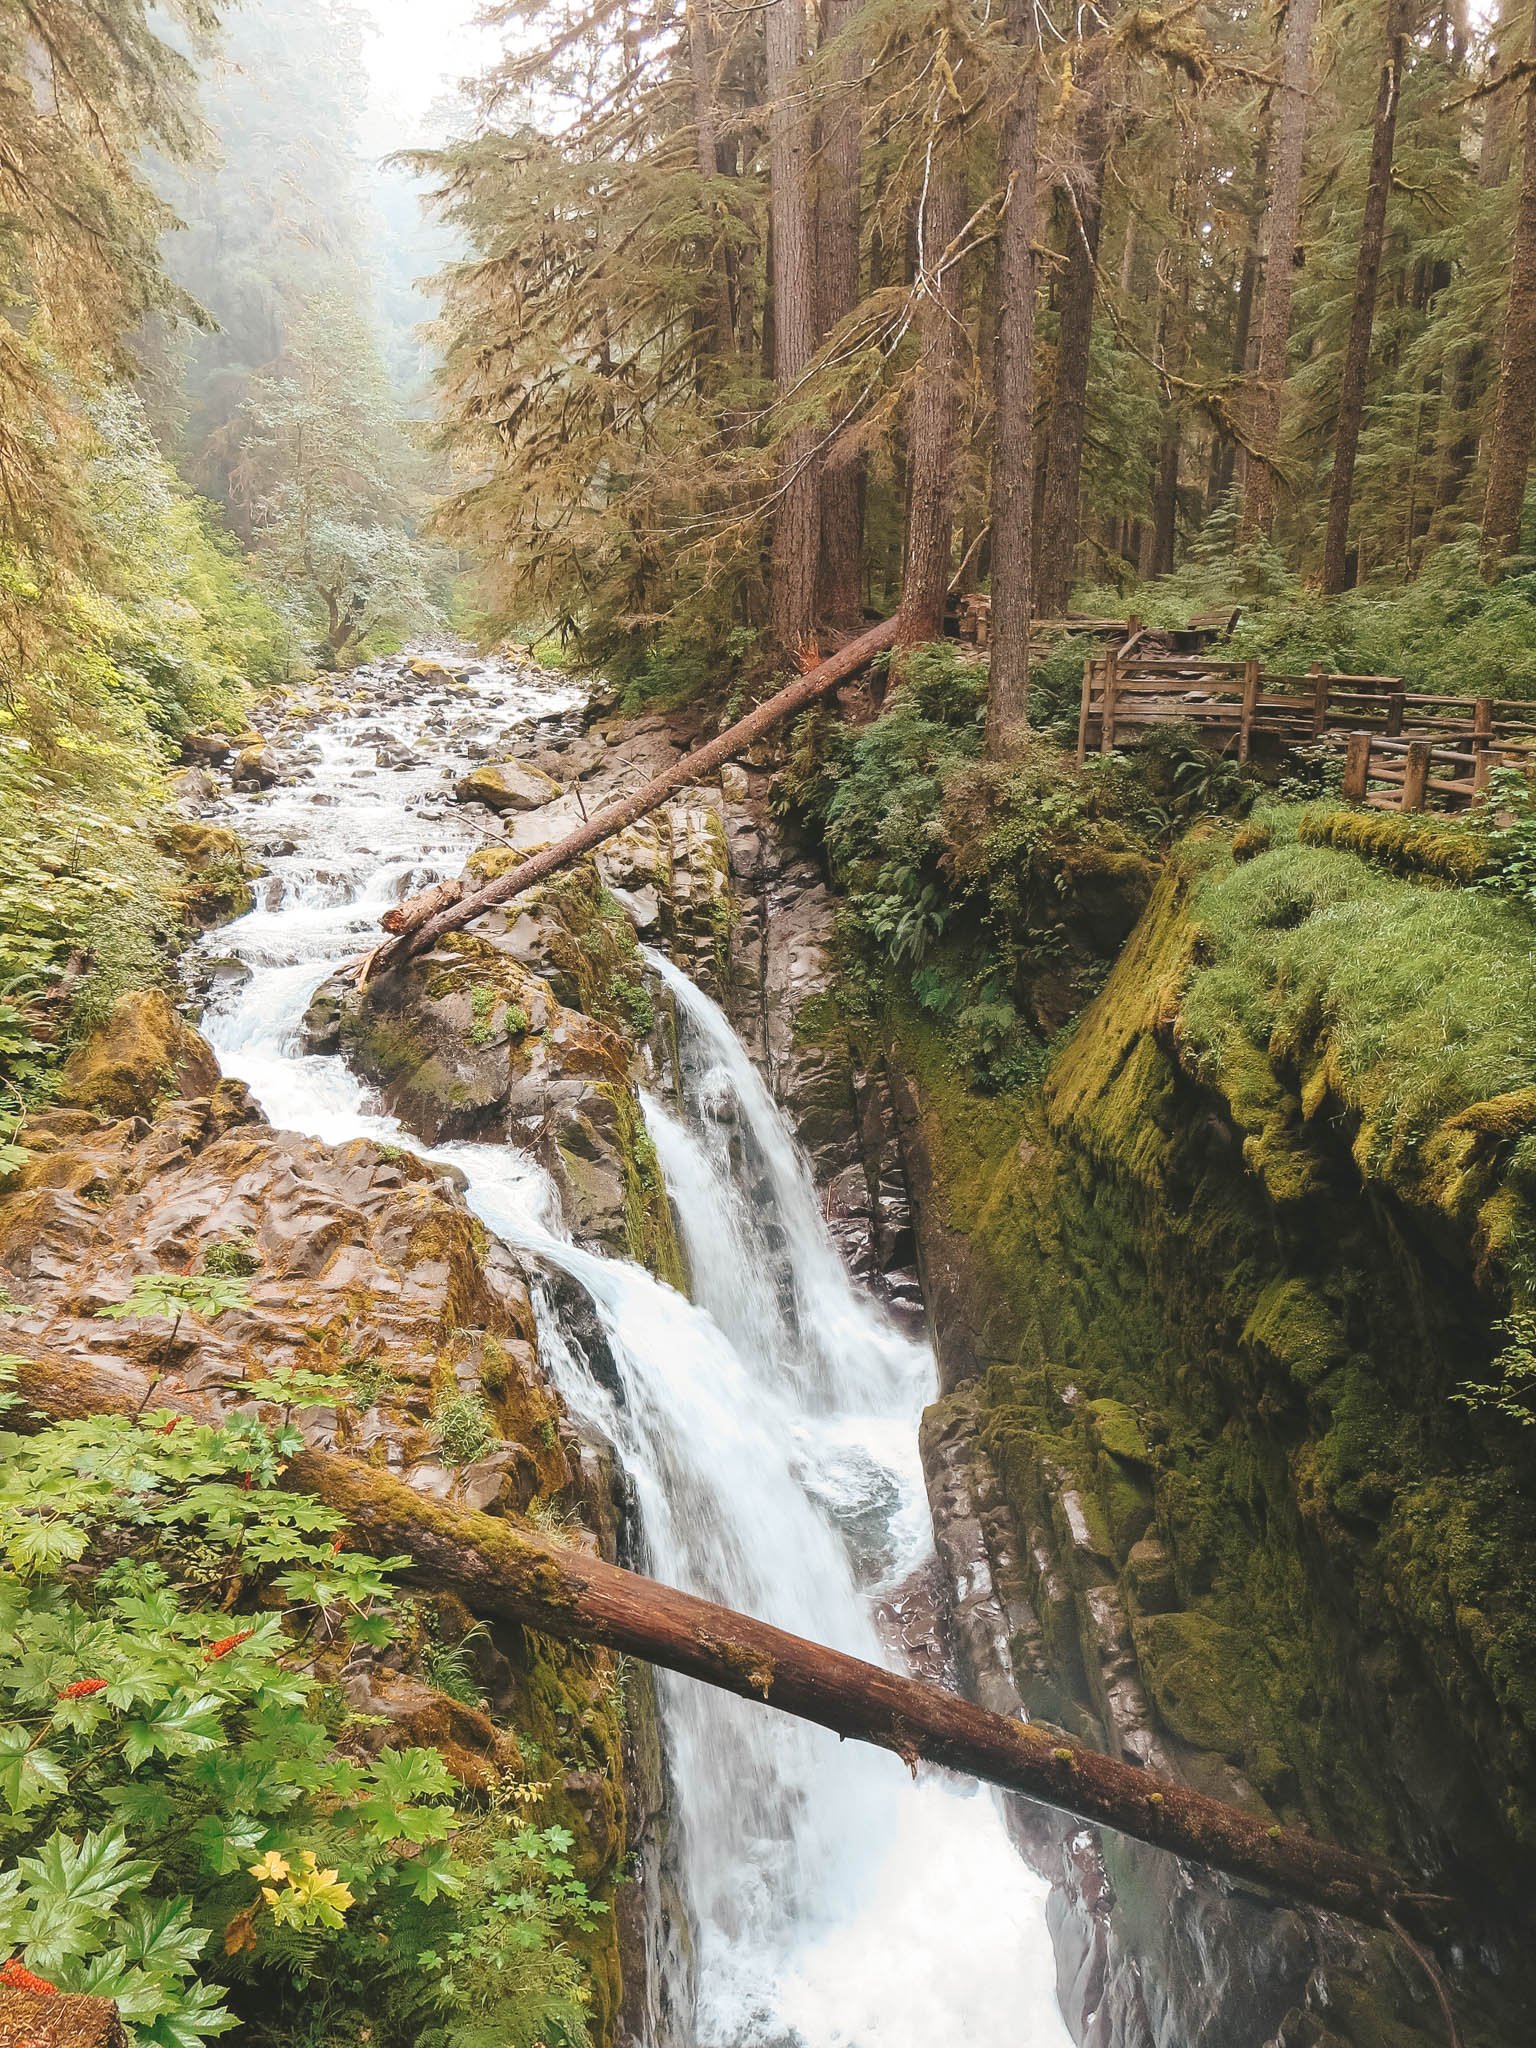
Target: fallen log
[(419, 922), (502, 1571)]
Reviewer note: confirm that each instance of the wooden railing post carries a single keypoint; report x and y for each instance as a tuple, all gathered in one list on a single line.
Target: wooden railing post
[(1319, 699), (1107, 710), (1416, 774), (1482, 740), (1395, 709), (1084, 709), (1250, 699), (1357, 766)]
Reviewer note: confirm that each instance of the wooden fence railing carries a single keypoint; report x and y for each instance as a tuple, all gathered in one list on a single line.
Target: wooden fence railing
[(1406, 748)]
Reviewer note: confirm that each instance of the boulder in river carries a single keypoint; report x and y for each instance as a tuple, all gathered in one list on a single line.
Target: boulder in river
[(507, 786), (255, 767), (206, 749)]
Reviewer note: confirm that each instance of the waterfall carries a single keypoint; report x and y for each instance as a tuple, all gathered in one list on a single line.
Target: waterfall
[(768, 1428)]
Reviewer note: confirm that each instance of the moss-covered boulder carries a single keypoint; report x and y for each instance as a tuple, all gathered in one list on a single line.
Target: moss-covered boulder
[(507, 786), (218, 885), (142, 1054)]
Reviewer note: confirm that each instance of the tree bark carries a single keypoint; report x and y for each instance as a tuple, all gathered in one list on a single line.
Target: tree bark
[(721, 328), (1282, 228), (1013, 433), (840, 585), (1362, 311), (1165, 501), (508, 1573), (1061, 501), (797, 515), (932, 430), (1224, 449), (424, 919), (1514, 411)]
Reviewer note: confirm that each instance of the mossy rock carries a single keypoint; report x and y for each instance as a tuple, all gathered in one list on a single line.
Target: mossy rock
[(218, 887), (1200, 1678), (143, 1054)]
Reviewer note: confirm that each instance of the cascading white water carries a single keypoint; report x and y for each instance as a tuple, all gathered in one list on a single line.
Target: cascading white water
[(769, 1429)]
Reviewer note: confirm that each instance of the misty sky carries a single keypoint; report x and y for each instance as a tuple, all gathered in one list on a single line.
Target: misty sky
[(422, 50)]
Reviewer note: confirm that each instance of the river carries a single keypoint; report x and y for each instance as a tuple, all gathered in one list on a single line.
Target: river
[(768, 1428)]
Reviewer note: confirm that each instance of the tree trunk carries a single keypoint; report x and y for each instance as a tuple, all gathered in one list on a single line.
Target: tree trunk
[(1493, 154), (1514, 412), (797, 497), (721, 332), (421, 921), (505, 1572), (1061, 500), (932, 429), (1282, 228), (840, 587), (1165, 501), (1013, 434), (1362, 311), (1224, 449)]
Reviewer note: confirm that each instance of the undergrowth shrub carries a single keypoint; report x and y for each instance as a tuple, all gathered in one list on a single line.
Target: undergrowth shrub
[(188, 1823), (989, 893), (1446, 630), (104, 664)]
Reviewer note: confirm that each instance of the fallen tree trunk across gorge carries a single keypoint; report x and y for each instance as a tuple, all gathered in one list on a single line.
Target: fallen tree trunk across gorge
[(421, 921), (501, 1571)]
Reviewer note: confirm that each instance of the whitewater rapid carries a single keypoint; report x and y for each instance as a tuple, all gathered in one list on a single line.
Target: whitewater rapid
[(768, 1428)]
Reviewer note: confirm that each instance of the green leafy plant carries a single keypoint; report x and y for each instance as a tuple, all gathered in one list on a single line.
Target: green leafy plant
[(186, 1824), (204, 1296), (461, 1429), (1510, 1394), (231, 1258), (1507, 817)]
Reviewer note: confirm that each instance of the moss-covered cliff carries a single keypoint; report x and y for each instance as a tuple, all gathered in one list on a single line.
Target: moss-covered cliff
[(1225, 1279)]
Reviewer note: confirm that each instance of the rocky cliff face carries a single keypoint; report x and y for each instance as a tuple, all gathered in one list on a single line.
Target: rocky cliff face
[(1200, 1475)]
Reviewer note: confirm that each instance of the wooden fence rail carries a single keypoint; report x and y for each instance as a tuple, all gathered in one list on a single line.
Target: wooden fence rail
[(1403, 748)]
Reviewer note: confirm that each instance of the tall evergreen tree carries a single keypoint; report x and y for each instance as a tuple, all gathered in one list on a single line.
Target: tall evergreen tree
[(1357, 349), (1282, 224)]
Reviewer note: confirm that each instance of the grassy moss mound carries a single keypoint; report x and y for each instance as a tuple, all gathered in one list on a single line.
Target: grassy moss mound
[(1233, 1266)]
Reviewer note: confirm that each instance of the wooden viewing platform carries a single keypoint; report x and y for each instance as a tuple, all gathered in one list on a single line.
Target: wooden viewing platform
[(1403, 749), (971, 619)]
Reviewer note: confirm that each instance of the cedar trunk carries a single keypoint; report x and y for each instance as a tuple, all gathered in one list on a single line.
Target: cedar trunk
[(840, 593), (797, 496), (1362, 312), (1514, 413), (501, 1570), (1061, 500), (1013, 437), (932, 431), (1282, 228)]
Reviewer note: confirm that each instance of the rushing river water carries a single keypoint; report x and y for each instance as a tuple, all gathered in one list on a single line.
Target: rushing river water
[(768, 1428)]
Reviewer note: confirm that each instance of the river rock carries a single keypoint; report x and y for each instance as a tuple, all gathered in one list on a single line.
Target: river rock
[(193, 791), (255, 767), (206, 749), (507, 786)]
